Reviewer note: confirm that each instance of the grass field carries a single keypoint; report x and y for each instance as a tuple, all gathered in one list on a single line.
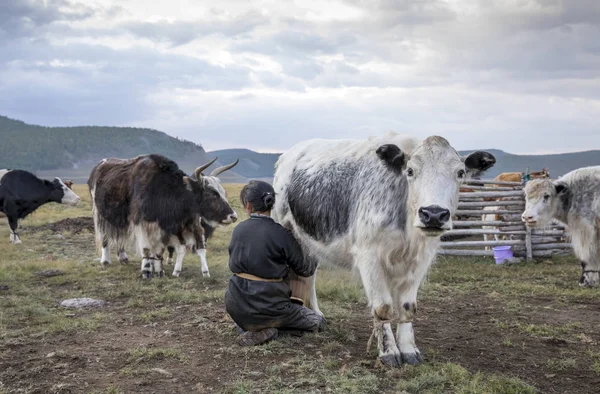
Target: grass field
[(482, 328)]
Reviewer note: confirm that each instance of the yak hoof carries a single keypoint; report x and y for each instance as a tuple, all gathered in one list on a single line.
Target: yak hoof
[(124, 261), (391, 360), (412, 358), (146, 275), (105, 263), (206, 274), (176, 274)]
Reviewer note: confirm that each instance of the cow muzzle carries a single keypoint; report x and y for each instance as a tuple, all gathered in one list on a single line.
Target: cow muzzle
[(589, 278), (434, 220), (231, 218), (529, 219), (72, 201)]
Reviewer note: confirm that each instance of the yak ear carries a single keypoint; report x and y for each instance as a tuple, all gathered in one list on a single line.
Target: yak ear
[(478, 162), (392, 156), (560, 187), (187, 181)]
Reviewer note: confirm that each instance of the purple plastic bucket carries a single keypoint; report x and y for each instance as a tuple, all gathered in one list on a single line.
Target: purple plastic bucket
[(502, 253)]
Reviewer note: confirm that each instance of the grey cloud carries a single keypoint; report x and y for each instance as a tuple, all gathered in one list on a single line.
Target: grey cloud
[(311, 43), (182, 32), (481, 78), (469, 121), (136, 66), (20, 18), (94, 84), (296, 43)]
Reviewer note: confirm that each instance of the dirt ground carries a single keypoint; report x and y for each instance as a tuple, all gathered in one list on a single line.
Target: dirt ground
[(189, 346), (90, 360), (71, 225)]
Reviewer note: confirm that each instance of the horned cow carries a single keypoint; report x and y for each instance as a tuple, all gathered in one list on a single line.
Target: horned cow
[(149, 199), (21, 193), (203, 230), (573, 200), (378, 205)]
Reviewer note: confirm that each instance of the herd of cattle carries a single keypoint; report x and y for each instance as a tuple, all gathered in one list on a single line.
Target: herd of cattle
[(378, 206)]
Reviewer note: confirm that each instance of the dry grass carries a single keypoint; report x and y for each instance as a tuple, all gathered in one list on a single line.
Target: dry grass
[(29, 311)]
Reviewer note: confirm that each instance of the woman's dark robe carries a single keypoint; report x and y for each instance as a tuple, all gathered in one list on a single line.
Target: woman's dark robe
[(263, 248)]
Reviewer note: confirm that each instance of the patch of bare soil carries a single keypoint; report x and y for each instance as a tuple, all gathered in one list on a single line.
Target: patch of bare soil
[(72, 225), (463, 330), (466, 331), (49, 273)]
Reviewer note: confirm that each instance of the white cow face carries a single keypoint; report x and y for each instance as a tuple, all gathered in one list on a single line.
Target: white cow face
[(541, 200), (213, 203), (434, 172), (68, 196)]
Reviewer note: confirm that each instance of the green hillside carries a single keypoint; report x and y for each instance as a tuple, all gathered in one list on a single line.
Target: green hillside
[(252, 164), (38, 148), (558, 164), (71, 152)]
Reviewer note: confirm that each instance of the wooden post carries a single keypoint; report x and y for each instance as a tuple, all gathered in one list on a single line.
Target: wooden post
[(528, 245), (468, 223)]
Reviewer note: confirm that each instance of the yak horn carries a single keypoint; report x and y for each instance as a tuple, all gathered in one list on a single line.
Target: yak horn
[(199, 170), (220, 170)]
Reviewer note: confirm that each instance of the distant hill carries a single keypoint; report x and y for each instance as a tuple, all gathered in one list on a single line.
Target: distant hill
[(558, 164), (260, 165), (252, 164), (71, 152)]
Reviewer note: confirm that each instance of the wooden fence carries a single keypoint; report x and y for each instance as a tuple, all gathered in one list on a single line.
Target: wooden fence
[(506, 200)]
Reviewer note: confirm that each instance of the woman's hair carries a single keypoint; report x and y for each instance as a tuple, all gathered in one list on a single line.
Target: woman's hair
[(259, 194)]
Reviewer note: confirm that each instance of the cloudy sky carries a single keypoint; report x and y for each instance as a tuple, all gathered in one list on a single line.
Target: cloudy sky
[(518, 75)]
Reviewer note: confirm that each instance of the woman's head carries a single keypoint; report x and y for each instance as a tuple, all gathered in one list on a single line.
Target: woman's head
[(257, 196)]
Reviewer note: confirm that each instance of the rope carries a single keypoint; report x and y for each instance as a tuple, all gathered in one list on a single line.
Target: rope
[(377, 324), (153, 258)]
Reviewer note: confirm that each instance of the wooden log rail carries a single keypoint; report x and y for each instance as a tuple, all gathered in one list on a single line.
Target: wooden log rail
[(509, 200), (491, 182)]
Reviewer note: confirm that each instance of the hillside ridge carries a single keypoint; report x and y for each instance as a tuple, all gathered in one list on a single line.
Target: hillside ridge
[(72, 151)]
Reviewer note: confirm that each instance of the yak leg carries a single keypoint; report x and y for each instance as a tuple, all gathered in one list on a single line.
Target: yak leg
[(200, 244), (313, 294), (13, 223), (486, 237), (378, 293), (158, 263), (143, 244), (590, 266), (179, 262), (201, 252), (105, 258), (146, 264), (407, 308), (123, 258), (170, 250)]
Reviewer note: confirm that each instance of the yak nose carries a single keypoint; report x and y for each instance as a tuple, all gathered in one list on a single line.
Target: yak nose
[(434, 216), (527, 217), (233, 217)]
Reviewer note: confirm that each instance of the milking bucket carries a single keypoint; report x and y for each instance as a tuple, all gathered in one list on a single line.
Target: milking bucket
[(502, 253)]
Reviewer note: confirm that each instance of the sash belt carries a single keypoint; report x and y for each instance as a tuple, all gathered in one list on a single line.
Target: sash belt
[(257, 278)]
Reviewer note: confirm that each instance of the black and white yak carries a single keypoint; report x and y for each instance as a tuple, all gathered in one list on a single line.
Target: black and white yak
[(379, 206), (149, 199), (21, 193)]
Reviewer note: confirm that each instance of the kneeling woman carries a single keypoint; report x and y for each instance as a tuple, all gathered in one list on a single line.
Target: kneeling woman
[(261, 253)]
